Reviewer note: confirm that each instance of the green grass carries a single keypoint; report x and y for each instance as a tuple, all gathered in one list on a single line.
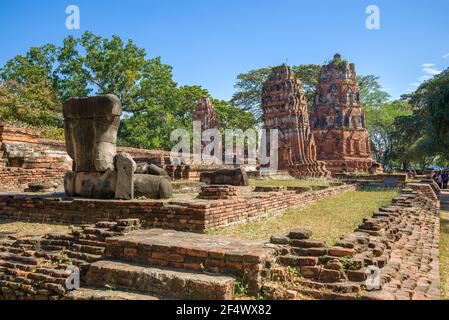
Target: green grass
[(328, 219), (444, 255), (290, 183), (21, 229)]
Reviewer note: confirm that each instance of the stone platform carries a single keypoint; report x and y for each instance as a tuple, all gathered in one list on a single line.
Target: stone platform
[(184, 212), (134, 264)]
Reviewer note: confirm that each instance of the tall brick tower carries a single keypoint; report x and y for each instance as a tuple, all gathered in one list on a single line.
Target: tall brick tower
[(285, 108), (205, 113), (338, 120)]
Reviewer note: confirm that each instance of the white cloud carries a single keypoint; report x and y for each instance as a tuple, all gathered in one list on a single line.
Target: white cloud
[(446, 56), (429, 71), (428, 65)]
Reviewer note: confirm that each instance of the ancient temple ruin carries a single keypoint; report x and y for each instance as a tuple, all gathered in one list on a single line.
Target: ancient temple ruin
[(91, 125), (285, 108), (205, 114), (339, 120)]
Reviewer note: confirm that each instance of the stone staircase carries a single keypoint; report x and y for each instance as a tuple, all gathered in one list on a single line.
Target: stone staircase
[(117, 261), (161, 282), (401, 239), (3, 160)]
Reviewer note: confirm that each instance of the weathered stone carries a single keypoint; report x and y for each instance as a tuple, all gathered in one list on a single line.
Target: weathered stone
[(96, 185), (69, 183), (300, 234), (126, 167), (233, 177), (307, 243), (91, 126), (153, 187), (142, 167), (310, 271), (334, 265), (328, 275), (279, 240), (341, 252), (357, 275), (155, 170)]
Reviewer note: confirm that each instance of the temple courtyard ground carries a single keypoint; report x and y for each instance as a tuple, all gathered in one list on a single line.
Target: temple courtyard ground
[(328, 219)]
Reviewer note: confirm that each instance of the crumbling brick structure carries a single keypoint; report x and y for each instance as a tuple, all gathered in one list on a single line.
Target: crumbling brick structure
[(205, 113), (285, 108), (27, 159), (339, 121)]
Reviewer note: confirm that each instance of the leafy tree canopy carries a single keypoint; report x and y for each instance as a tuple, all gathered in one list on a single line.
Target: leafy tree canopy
[(34, 86)]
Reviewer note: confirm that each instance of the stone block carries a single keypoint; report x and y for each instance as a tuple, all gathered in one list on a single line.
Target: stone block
[(233, 177), (91, 126), (300, 234), (126, 167), (153, 187)]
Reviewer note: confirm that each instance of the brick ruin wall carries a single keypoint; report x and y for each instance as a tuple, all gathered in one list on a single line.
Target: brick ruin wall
[(401, 239), (26, 159), (189, 215)]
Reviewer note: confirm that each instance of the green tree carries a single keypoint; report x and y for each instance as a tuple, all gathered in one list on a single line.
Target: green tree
[(371, 93), (249, 86), (381, 126), (430, 104), (27, 91)]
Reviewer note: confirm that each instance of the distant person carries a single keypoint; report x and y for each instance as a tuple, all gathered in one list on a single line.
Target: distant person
[(445, 178), (440, 179)]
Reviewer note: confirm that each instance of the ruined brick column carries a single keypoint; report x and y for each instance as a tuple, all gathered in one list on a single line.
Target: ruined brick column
[(285, 108), (338, 120), (205, 113)]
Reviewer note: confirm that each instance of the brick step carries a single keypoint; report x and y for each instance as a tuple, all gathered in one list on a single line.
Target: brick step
[(106, 294), (187, 251), (14, 265), (102, 232), (83, 256), (12, 257), (56, 242), (11, 249), (88, 249), (71, 241), (63, 245), (169, 283)]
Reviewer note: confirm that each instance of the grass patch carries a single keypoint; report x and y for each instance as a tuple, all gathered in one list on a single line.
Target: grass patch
[(444, 255), (21, 229), (328, 219), (290, 183)]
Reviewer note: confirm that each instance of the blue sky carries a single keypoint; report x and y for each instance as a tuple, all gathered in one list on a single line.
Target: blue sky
[(209, 42)]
